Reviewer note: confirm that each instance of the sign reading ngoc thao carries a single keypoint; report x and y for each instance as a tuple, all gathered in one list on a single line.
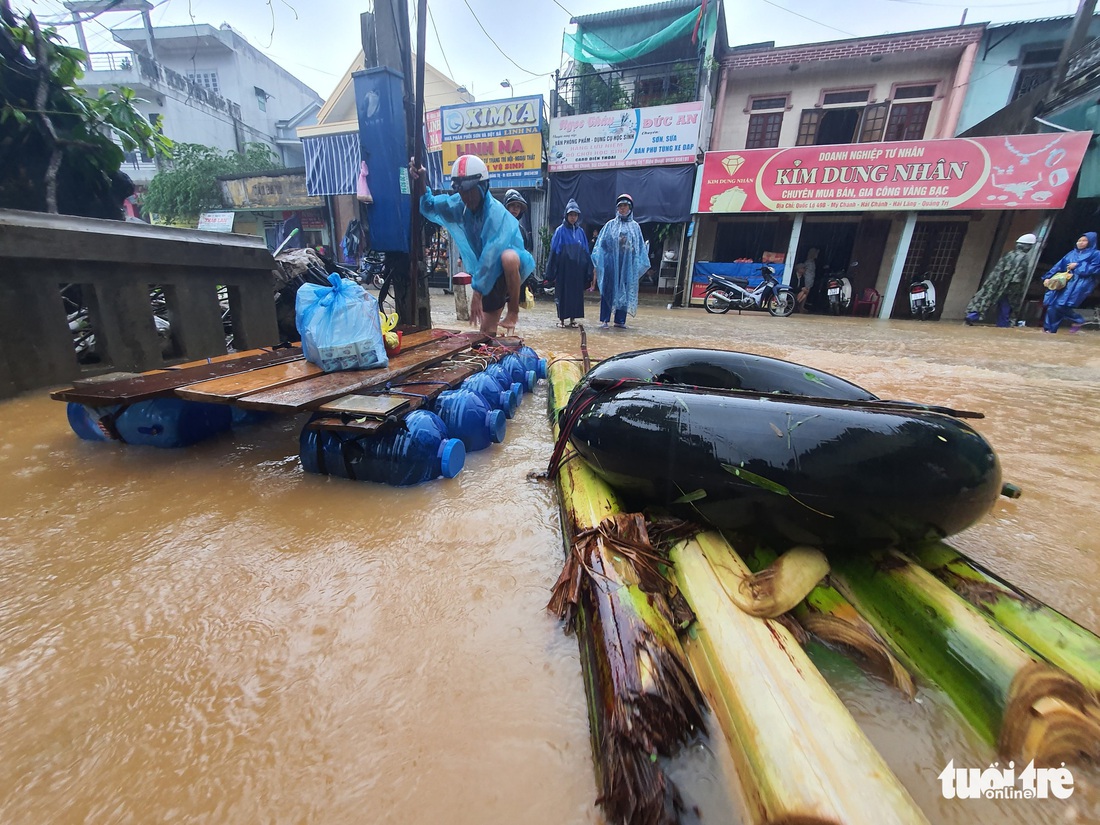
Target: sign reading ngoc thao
[(1007, 172)]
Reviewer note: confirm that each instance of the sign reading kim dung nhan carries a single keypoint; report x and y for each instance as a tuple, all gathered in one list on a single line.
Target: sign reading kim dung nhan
[(506, 134)]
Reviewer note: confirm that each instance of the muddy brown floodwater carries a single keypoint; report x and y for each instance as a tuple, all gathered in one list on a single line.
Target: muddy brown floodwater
[(211, 636)]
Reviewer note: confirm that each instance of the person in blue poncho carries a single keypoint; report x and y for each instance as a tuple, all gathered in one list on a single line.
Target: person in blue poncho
[(621, 259), (488, 239), (570, 265), (1082, 263)]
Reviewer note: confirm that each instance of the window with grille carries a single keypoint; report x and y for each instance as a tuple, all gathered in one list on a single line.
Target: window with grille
[(907, 121), (840, 98), (208, 80), (915, 92), (760, 104), (764, 130)]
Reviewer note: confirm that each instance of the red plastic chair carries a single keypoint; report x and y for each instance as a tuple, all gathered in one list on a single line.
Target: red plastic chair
[(870, 299)]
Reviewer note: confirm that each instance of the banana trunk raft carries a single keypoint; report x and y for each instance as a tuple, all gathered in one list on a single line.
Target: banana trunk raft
[(652, 598)]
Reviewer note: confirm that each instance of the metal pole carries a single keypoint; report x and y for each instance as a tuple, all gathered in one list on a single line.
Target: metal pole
[(900, 254), (417, 265), (792, 248)]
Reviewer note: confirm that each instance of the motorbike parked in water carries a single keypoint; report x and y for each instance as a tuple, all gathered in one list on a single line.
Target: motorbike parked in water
[(922, 297), (540, 288), (838, 291), (724, 294)]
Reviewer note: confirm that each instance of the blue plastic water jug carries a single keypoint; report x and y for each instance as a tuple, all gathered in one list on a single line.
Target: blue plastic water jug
[(519, 371), (531, 360), (91, 423), (504, 378), (489, 389), (470, 419), (419, 451), (171, 422)]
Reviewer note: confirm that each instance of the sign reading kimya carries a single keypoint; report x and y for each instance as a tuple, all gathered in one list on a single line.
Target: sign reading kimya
[(630, 137), (506, 134), (1007, 172)]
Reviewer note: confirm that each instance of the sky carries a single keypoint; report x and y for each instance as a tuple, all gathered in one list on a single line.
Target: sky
[(480, 43)]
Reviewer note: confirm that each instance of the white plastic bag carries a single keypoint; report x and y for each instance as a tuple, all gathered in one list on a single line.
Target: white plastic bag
[(339, 326)]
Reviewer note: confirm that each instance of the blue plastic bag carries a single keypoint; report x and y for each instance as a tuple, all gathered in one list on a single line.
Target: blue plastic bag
[(340, 326)]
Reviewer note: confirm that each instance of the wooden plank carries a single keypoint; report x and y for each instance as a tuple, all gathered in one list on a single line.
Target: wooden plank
[(229, 389), (315, 392), (165, 383), (377, 406), (449, 377), (217, 359)]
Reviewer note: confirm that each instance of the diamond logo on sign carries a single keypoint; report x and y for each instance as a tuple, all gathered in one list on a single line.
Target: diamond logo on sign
[(732, 163)]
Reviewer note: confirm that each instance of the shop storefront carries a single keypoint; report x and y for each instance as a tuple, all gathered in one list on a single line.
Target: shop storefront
[(882, 214), (648, 153), (273, 204)]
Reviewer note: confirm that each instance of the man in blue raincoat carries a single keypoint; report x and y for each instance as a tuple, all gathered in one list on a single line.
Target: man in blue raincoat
[(488, 239), (620, 259)]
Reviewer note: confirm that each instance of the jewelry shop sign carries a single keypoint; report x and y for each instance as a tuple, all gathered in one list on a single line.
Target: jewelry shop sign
[(652, 136), (1013, 172), (506, 134)]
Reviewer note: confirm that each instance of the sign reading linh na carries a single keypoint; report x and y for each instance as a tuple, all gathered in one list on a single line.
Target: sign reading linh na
[(1007, 172), (631, 137), (506, 134)]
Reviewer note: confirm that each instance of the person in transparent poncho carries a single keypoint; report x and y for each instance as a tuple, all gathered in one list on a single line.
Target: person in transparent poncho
[(489, 242), (620, 259)]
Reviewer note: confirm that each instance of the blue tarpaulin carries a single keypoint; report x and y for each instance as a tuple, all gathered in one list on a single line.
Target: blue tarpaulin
[(661, 193), (378, 100)]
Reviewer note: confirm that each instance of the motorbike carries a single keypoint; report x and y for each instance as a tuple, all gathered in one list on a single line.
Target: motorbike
[(922, 297), (838, 291), (724, 294), (540, 288), (372, 269)]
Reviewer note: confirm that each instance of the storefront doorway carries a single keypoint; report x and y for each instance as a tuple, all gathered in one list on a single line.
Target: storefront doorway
[(933, 254)]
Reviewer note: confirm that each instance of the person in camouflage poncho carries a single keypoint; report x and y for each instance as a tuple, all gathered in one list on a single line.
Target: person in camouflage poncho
[(1005, 285)]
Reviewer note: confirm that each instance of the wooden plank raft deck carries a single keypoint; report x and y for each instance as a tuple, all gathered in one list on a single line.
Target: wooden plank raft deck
[(283, 381)]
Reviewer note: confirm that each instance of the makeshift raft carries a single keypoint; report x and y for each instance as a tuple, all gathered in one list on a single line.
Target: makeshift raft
[(666, 610), (444, 393)]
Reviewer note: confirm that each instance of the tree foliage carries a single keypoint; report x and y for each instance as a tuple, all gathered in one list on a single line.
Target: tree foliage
[(61, 148), (191, 185)]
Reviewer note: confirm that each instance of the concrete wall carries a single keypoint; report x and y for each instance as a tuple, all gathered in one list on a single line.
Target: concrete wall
[(115, 263), (806, 83)]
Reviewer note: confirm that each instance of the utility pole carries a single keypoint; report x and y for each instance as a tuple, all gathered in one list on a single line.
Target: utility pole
[(386, 43)]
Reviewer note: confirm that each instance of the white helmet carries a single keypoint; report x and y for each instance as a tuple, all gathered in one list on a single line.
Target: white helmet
[(1028, 238), (467, 172)]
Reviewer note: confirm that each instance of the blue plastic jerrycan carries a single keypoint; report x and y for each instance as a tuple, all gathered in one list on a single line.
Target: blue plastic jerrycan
[(419, 451), (490, 390), (171, 422), (469, 418), (504, 378), (519, 372), (531, 361)]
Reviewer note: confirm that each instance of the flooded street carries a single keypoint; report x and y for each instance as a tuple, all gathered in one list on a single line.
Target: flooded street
[(210, 635)]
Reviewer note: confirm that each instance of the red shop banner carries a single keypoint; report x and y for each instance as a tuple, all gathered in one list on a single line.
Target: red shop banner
[(1008, 172)]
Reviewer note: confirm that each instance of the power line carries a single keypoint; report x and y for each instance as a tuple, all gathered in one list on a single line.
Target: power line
[(804, 17), (498, 48), (446, 62)]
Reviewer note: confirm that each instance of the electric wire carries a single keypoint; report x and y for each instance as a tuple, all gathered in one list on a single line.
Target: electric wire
[(498, 48), (446, 62)]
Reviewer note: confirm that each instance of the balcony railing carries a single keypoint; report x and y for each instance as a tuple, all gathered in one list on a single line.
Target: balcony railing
[(153, 73), (656, 84), (111, 61)]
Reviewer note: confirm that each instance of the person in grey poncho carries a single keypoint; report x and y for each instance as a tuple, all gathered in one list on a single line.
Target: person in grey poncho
[(1004, 286), (620, 259)]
